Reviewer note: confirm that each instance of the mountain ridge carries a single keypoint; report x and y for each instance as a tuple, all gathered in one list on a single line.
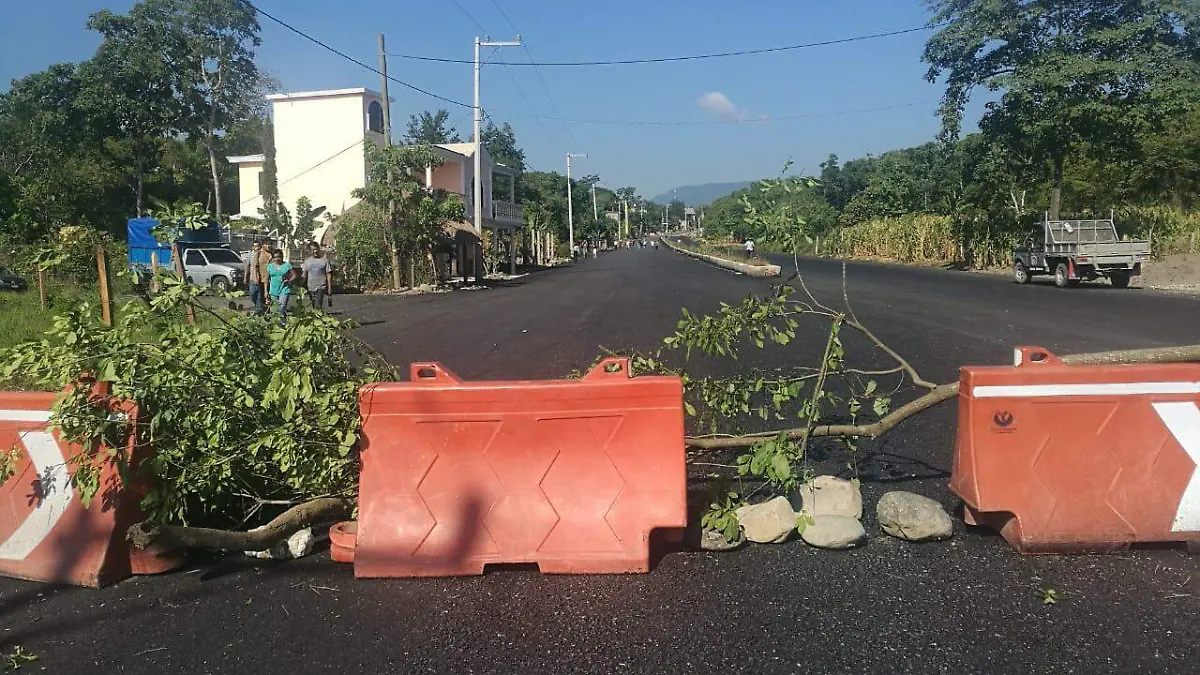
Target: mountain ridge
[(700, 195)]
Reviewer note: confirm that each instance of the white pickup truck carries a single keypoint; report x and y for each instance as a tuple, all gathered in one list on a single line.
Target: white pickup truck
[(1079, 250)]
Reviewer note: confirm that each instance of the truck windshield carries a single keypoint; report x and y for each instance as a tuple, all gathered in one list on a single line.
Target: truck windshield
[(220, 256)]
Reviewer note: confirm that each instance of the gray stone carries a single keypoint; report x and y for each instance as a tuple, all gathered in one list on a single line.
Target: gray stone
[(770, 522), (712, 540), (829, 496), (835, 532), (298, 545), (911, 517)]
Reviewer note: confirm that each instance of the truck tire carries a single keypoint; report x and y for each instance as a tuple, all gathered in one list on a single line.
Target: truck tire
[(1062, 277), (220, 284), (1020, 273), (1119, 279)]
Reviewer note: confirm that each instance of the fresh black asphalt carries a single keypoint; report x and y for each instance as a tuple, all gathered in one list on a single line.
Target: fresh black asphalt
[(966, 606)]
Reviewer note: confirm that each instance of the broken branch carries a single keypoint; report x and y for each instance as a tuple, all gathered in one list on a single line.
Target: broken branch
[(143, 534)]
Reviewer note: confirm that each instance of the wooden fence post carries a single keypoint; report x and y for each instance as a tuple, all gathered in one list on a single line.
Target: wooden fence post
[(105, 298)]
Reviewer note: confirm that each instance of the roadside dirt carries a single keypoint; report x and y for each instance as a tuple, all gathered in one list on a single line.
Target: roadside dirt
[(1178, 273)]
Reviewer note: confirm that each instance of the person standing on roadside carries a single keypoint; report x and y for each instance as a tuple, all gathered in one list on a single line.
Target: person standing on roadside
[(279, 273), (254, 280), (265, 254), (318, 275)]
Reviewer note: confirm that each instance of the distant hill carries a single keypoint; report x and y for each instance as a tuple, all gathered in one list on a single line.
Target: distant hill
[(699, 195)]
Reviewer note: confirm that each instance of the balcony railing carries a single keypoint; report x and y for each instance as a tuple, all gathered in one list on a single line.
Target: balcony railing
[(507, 212)]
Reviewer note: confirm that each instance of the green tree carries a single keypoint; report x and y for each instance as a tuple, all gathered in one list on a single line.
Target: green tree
[(431, 128), (501, 144), (1070, 72), (306, 222), (417, 215)]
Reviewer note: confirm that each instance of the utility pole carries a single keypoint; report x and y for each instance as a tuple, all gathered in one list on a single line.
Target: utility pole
[(387, 143), (595, 213), (478, 115), (625, 205), (571, 205)]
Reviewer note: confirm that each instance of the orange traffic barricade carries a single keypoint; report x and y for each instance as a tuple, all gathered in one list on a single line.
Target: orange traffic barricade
[(1065, 458), (46, 533), (573, 475)]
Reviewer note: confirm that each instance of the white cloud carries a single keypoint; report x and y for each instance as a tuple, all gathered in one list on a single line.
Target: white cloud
[(718, 105)]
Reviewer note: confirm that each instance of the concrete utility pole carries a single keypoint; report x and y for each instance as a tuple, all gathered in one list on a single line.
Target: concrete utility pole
[(595, 212), (387, 143), (625, 205), (571, 205), (478, 115)]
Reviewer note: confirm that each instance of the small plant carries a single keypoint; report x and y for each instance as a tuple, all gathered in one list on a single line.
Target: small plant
[(722, 516), (8, 462), (18, 658), (1049, 596), (803, 520)]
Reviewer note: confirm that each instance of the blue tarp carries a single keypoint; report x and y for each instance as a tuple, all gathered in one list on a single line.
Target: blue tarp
[(142, 243)]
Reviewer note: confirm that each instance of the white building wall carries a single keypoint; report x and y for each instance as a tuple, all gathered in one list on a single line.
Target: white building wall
[(248, 184), (319, 147)]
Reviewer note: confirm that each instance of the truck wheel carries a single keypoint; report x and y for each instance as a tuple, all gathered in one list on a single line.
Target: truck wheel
[(1119, 279), (1061, 277), (1020, 274), (220, 284)]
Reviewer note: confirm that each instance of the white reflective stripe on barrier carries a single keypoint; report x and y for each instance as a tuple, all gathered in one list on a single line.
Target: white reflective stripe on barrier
[(1102, 389), (54, 486), (1183, 421)]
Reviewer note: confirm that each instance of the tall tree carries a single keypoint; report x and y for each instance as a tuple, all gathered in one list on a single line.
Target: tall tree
[(1070, 71), (220, 83), (431, 128), (129, 85), (501, 144)]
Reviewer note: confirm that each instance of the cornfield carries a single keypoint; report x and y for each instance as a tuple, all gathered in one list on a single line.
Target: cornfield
[(929, 238)]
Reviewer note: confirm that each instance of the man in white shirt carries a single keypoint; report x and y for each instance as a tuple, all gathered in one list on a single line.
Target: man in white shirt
[(750, 247)]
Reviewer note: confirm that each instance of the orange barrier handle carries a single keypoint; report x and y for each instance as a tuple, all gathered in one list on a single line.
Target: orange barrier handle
[(1034, 356), (613, 366), (431, 373)]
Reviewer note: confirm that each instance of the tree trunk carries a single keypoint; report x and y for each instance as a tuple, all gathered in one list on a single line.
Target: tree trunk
[(1056, 187), (410, 264), (139, 178), (395, 267), (210, 142)]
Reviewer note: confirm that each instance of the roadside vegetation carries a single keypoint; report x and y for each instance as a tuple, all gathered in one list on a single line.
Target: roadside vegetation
[(1096, 110)]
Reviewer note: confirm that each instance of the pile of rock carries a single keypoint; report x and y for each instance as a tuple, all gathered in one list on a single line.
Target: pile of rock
[(827, 512)]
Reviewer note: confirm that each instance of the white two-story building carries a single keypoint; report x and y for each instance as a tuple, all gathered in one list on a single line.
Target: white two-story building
[(319, 154)]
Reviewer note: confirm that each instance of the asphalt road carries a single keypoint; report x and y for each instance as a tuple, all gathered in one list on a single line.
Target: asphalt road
[(967, 606)]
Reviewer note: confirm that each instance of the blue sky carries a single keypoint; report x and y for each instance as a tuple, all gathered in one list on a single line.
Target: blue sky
[(823, 90)]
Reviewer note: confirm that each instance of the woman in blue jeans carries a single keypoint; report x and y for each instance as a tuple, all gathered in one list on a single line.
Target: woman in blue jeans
[(281, 290)]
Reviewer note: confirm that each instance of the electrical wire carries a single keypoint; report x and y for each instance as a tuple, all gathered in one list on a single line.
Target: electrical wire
[(759, 120), (468, 14), (537, 71), (351, 59), (689, 57)]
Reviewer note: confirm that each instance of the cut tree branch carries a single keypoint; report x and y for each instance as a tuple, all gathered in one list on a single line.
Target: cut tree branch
[(285, 525), (940, 394)]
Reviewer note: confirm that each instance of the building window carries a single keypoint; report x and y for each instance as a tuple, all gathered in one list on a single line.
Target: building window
[(262, 187), (375, 117)]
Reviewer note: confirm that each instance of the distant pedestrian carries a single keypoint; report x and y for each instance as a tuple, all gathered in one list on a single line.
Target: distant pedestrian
[(750, 247), (280, 275), (254, 279), (265, 254), (318, 275)]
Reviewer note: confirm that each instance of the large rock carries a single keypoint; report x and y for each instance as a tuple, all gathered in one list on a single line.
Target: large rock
[(298, 545), (912, 517), (770, 522), (834, 532), (829, 496)]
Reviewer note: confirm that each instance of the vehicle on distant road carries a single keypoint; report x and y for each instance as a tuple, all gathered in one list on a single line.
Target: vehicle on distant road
[(207, 258), (1079, 250), (11, 281)]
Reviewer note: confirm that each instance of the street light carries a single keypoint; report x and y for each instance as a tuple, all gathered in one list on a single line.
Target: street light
[(570, 205), (478, 115)]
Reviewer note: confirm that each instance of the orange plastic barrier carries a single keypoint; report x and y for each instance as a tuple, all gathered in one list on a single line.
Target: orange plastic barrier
[(46, 534), (1066, 459), (573, 475)]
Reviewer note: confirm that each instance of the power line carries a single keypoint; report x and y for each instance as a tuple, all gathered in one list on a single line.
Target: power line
[(351, 59), (468, 14), (538, 72), (690, 57), (759, 120)]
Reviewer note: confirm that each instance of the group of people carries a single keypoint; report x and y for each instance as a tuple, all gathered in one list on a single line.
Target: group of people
[(272, 280)]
